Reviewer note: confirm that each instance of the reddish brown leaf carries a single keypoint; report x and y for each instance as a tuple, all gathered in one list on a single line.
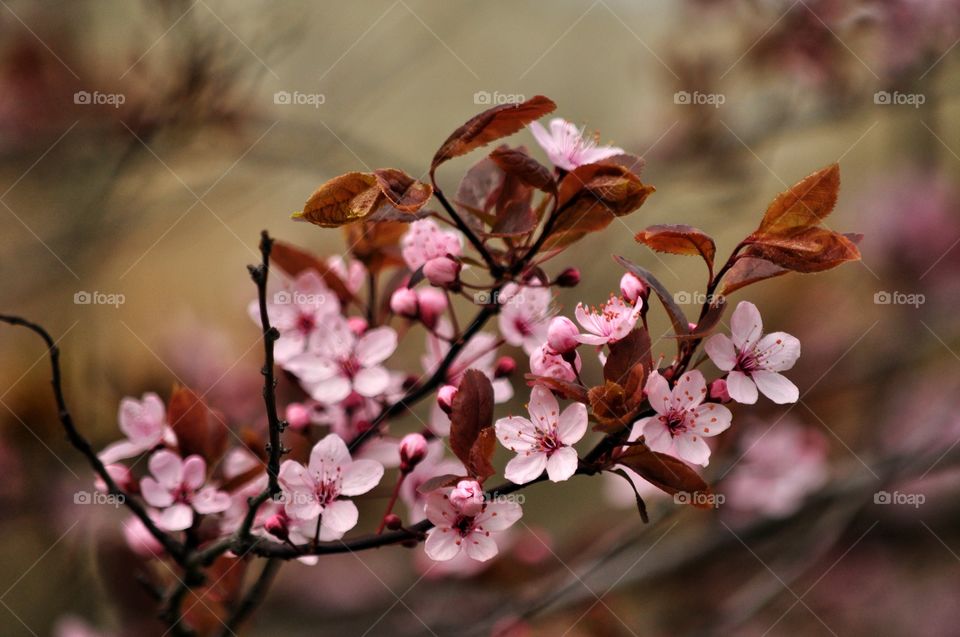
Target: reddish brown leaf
[(376, 244), (472, 412), (199, 430), (570, 391), (403, 191), (490, 125), (610, 407), (803, 205), (679, 239), (634, 348), (481, 455), (809, 250), (438, 482), (666, 473), (293, 261), (749, 270), (516, 162), (677, 317), (387, 194)]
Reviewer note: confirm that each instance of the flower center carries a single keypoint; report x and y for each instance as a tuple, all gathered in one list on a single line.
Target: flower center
[(548, 441), (306, 323), (748, 361), (675, 421), (327, 489), (349, 365)]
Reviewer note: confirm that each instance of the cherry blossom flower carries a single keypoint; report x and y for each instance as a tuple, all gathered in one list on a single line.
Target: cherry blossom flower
[(299, 313), (351, 272), (175, 487), (471, 531), (753, 361), (144, 424), (566, 145), (682, 421), (546, 362), (317, 489), (562, 335), (524, 315), (425, 241), (545, 440), (342, 362), (433, 464), (609, 323)]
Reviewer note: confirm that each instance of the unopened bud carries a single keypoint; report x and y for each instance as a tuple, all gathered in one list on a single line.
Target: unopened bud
[(632, 288), (505, 367), (297, 416), (403, 302), (392, 521), (445, 398), (357, 324), (442, 271), (413, 449), (718, 391), (276, 525), (562, 335), (568, 278), (432, 303), (467, 497)]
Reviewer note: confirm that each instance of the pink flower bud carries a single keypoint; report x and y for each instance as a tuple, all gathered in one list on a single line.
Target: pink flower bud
[(718, 391), (632, 288), (392, 521), (276, 525), (121, 475), (562, 335), (441, 271), (413, 449), (505, 367), (467, 497), (141, 541), (568, 278), (353, 401), (432, 304), (445, 398), (357, 324), (403, 302), (297, 416)]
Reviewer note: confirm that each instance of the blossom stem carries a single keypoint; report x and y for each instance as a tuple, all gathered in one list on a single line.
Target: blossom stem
[(392, 502), (495, 268)]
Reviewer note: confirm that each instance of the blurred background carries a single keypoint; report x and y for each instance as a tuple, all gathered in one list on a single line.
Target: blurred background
[(144, 145)]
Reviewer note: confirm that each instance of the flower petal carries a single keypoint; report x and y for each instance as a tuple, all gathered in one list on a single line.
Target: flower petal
[(693, 449), (376, 346), (746, 326), (573, 424), (360, 476), (338, 518), (331, 390), (328, 455), (155, 494), (690, 390), (711, 419), (480, 547), (210, 500), (371, 381), (442, 544), (525, 467), (721, 351), (741, 388), (179, 517), (658, 393), (515, 433), (544, 409), (657, 436), (562, 464), (778, 351), (776, 387), (194, 472), (167, 468), (497, 516), (439, 510)]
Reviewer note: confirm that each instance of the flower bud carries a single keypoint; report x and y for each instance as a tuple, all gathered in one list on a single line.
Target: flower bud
[(568, 278), (392, 521), (141, 541), (445, 398), (403, 302), (413, 449), (276, 525), (467, 497), (718, 391), (357, 324), (562, 335), (121, 475), (432, 305), (505, 367), (297, 416), (441, 271), (632, 288)]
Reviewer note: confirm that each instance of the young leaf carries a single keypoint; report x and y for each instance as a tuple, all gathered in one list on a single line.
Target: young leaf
[(481, 455), (665, 472), (610, 407), (376, 244), (679, 239), (803, 205), (631, 350), (199, 430), (809, 250), (438, 482), (641, 505), (677, 317), (293, 261), (472, 412), (403, 191), (356, 196), (516, 162), (570, 391), (749, 270), (490, 125)]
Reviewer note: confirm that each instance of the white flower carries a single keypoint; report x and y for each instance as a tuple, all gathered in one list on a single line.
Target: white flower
[(317, 489), (682, 422), (544, 441), (609, 323), (471, 531), (566, 145), (754, 361)]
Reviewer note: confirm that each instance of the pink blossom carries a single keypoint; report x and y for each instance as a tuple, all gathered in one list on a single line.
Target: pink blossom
[(442, 271), (567, 147), (546, 362), (317, 489), (471, 531), (175, 487), (298, 416), (562, 335), (144, 424), (425, 241), (445, 398), (403, 302), (140, 540), (432, 304), (632, 288), (545, 440), (682, 422), (434, 464), (299, 313), (524, 315), (609, 323), (342, 362), (753, 360), (467, 497), (413, 449)]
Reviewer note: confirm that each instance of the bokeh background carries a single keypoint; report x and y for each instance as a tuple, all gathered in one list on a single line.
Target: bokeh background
[(155, 188)]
